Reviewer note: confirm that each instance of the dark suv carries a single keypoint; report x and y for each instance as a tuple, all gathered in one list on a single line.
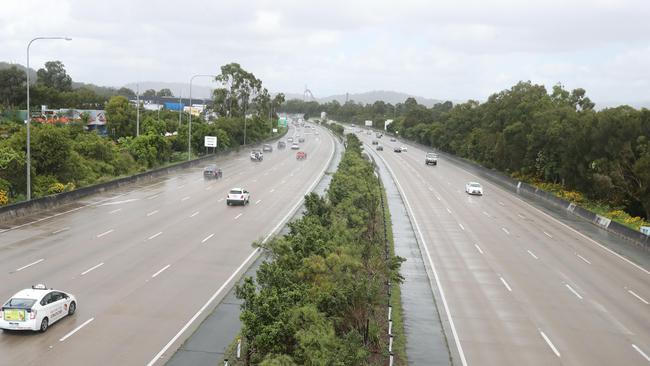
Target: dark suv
[(211, 171)]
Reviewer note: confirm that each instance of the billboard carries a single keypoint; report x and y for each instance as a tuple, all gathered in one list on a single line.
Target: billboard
[(282, 122), (210, 141)]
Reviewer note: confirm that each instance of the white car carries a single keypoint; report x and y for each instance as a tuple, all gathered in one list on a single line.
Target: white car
[(238, 196), (295, 146), (404, 149), (36, 309), (474, 188)]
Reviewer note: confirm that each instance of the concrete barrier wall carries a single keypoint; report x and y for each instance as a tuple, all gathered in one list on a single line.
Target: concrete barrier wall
[(28, 207), (534, 193)]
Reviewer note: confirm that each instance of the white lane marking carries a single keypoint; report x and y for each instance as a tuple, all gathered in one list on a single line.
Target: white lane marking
[(208, 188), (60, 230), (238, 216), (254, 180), (478, 248), (549, 235), (572, 290), (641, 352), (220, 200), (214, 296), (119, 202), (532, 254), (92, 268), (486, 214), (448, 210), (461, 226), (181, 186), (438, 198), (505, 230), (154, 196), (638, 297), (258, 201), (154, 235), (114, 211), (521, 216), (501, 203), (207, 238), (194, 214), (266, 173), (160, 271), (75, 330), (199, 180), (583, 258), (550, 344), (283, 182), (505, 283), (105, 233), (152, 213), (185, 198), (31, 264), (272, 190), (433, 267)]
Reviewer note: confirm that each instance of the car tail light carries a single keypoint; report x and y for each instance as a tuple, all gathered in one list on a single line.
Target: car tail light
[(242, 196), (32, 314)]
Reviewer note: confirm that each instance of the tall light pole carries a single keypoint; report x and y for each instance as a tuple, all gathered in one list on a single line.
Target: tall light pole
[(189, 131), (137, 113), (29, 118)]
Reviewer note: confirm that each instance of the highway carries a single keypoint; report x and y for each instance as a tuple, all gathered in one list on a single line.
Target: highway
[(145, 260), (519, 287)]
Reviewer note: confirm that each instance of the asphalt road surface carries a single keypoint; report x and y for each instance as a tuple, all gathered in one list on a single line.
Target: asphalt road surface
[(143, 261), (521, 288)]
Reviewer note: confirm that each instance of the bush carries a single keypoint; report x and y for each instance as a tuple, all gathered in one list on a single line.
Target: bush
[(4, 197), (56, 188)]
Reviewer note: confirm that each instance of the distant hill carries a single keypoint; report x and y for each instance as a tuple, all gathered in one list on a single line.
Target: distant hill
[(179, 89), (32, 72), (370, 97)]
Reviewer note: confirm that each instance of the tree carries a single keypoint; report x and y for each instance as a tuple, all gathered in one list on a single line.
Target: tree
[(12, 87), (120, 116), (149, 93), (126, 92), (165, 93), (241, 86), (54, 76)]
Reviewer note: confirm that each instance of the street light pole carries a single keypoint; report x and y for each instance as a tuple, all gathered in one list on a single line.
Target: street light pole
[(29, 118), (189, 131)]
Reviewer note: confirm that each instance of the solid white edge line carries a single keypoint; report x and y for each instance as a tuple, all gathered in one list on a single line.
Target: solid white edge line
[(505, 283), (478, 248), (154, 235), (160, 271), (105, 233), (216, 294), (572, 290), (550, 344), (92, 268), (433, 268), (29, 265), (641, 352), (638, 297), (75, 330), (207, 238), (532, 254)]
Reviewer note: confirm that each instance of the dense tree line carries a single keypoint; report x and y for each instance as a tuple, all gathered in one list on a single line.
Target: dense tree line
[(557, 138), (321, 298)]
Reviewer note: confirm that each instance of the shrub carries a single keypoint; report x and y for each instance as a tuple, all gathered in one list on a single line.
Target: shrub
[(4, 197), (56, 188)]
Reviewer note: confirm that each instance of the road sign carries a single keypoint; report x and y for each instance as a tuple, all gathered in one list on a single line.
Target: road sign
[(275, 130), (210, 141), (369, 123)]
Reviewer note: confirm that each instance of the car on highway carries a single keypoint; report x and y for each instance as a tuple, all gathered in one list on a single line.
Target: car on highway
[(474, 188), (397, 149), (375, 142), (431, 158), (379, 135), (267, 148), (238, 196), (295, 146), (301, 155), (316, 133), (392, 139), (36, 309), (212, 172), (301, 139), (404, 149), (257, 155), (282, 144), (290, 139), (380, 148)]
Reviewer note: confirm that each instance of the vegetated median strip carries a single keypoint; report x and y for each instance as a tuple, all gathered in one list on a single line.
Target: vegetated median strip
[(92, 268), (431, 264), (238, 269), (550, 344), (105, 233), (75, 330), (29, 265), (638, 297)]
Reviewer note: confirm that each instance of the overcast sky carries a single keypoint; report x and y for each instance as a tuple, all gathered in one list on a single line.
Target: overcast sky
[(438, 49)]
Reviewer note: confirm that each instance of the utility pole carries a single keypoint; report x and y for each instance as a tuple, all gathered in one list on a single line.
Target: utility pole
[(137, 118)]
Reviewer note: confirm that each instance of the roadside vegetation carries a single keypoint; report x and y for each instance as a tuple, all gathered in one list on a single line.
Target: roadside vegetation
[(65, 156), (321, 298), (555, 140)]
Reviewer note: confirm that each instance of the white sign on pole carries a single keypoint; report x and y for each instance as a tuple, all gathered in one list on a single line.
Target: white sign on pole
[(369, 123), (275, 130), (210, 141)]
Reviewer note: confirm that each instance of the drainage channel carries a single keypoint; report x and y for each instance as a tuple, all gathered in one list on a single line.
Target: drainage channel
[(426, 343), (207, 345)]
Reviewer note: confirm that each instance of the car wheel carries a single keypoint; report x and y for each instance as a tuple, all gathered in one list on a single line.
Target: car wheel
[(72, 308), (44, 325)]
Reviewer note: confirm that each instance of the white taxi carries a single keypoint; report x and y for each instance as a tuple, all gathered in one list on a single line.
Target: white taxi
[(474, 188), (36, 309)]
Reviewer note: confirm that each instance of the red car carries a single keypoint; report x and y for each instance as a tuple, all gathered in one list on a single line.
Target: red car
[(301, 155)]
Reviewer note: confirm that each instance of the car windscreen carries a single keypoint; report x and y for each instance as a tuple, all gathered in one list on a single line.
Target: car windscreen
[(20, 303), (475, 185), (235, 191)]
